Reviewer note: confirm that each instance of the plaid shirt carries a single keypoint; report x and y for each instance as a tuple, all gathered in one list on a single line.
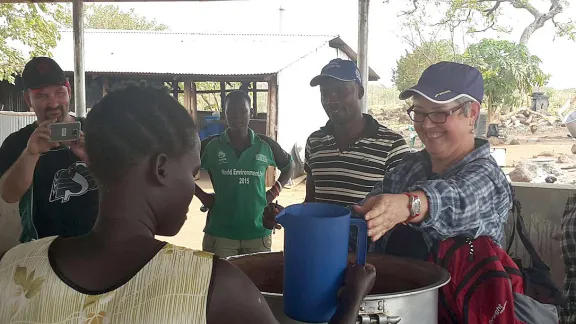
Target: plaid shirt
[(568, 229), (473, 197)]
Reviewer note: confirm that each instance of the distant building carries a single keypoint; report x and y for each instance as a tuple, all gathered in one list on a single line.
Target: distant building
[(276, 67)]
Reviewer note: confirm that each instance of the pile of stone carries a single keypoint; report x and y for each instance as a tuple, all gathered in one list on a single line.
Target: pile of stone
[(527, 118), (546, 168)]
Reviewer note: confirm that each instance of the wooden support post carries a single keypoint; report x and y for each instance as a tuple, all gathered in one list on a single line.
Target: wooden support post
[(363, 8), (105, 86), (175, 89), (222, 97), (194, 102), (190, 105), (272, 122), (187, 96), (79, 74), (254, 99), (272, 114), (190, 99)]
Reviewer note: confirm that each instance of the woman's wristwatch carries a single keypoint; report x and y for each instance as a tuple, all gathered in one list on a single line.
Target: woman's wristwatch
[(414, 207)]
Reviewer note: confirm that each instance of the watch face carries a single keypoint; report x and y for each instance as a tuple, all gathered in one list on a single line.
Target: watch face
[(416, 206)]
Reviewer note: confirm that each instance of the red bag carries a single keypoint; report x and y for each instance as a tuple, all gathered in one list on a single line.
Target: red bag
[(483, 281)]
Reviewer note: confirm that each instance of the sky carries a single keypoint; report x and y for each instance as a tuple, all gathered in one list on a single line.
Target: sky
[(339, 17)]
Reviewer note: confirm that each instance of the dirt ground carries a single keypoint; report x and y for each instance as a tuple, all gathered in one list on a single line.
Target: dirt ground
[(191, 234)]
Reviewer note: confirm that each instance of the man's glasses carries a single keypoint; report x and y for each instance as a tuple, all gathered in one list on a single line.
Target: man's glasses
[(437, 117)]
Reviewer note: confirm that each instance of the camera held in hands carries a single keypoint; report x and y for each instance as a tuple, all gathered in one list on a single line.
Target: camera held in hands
[(65, 132)]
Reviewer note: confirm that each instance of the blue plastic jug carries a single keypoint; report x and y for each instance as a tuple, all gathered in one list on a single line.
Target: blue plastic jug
[(315, 258)]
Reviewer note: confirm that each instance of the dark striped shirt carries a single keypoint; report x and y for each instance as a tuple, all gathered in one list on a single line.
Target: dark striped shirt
[(346, 177)]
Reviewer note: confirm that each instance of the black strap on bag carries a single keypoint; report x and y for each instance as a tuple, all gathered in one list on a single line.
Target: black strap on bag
[(519, 228), (538, 283)]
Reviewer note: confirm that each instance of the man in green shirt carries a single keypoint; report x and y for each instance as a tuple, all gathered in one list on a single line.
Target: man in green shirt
[(236, 161)]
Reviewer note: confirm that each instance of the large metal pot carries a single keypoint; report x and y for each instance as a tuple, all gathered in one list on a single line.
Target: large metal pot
[(405, 291)]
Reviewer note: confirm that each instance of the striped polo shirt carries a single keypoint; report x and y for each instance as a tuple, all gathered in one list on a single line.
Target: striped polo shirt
[(346, 177)]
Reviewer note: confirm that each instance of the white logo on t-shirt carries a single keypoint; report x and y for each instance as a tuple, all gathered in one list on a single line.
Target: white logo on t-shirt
[(72, 182)]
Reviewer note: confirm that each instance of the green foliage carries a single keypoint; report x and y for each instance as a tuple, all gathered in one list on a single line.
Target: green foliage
[(99, 16), (381, 97), (211, 101), (508, 69), (411, 65), (26, 30), (557, 97)]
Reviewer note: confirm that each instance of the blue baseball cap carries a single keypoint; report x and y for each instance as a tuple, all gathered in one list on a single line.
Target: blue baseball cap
[(445, 82), (339, 69)]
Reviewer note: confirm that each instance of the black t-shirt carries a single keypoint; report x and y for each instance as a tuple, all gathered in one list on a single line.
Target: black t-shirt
[(64, 199)]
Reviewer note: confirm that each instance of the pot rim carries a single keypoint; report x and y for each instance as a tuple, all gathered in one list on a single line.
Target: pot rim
[(444, 280)]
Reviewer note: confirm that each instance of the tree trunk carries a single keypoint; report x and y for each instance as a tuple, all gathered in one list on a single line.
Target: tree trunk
[(530, 29), (490, 107), (539, 18)]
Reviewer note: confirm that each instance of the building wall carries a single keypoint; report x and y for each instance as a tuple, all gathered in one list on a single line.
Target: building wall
[(299, 109), (12, 121), (542, 209), (11, 98), (10, 227)]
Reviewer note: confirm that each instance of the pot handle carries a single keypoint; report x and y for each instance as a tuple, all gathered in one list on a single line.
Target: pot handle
[(377, 319)]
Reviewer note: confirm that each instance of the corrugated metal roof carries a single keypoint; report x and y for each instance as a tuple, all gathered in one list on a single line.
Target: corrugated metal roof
[(108, 51)]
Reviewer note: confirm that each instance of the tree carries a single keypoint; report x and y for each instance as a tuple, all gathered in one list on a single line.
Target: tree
[(26, 30), (508, 69), (98, 16), (482, 15), (411, 65)]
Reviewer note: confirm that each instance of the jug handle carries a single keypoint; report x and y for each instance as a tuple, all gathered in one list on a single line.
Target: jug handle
[(361, 239)]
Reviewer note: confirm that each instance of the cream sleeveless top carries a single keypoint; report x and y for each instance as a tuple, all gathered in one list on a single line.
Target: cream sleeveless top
[(172, 288)]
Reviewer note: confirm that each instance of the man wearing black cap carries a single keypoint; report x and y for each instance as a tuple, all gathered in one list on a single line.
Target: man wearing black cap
[(348, 156), (57, 194)]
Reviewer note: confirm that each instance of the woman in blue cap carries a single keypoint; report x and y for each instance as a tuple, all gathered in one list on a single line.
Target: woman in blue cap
[(455, 194)]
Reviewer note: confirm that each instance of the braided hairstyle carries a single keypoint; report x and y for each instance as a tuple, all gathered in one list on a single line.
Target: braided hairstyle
[(131, 123)]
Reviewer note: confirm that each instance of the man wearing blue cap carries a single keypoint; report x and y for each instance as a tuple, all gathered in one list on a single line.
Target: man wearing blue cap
[(456, 195), (348, 156)]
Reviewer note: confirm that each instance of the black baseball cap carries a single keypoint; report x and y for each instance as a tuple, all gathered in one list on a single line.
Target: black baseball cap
[(445, 82), (41, 72), (339, 69)]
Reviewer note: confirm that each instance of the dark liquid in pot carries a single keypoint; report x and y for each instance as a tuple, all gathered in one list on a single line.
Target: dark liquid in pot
[(394, 275)]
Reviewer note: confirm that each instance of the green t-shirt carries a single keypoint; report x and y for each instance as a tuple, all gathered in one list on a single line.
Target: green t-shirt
[(239, 181)]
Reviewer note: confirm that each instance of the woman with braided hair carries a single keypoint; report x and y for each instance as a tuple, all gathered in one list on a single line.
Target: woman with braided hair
[(143, 149)]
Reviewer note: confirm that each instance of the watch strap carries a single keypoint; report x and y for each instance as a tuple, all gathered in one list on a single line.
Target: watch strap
[(411, 208)]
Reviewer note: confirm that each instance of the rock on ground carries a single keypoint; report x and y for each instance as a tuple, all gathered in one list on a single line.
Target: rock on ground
[(551, 169), (565, 159), (519, 175), (493, 140), (522, 173), (545, 153)]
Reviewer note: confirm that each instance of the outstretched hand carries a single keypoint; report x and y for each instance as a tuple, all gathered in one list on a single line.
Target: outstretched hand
[(383, 212)]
